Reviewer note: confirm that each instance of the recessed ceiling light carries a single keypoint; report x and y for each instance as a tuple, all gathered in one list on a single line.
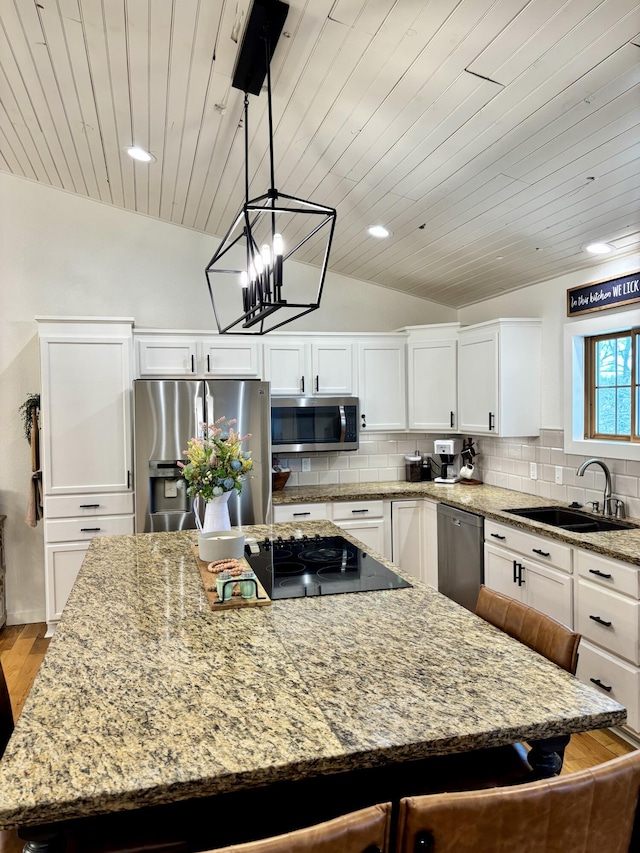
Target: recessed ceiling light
[(379, 231), (599, 248), (140, 154)]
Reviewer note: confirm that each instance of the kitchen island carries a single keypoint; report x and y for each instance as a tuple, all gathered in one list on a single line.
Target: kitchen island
[(146, 697)]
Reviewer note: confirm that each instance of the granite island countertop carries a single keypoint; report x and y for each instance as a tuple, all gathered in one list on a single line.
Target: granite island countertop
[(488, 501), (146, 696)]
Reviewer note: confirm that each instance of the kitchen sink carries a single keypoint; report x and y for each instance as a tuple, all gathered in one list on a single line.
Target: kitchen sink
[(570, 519)]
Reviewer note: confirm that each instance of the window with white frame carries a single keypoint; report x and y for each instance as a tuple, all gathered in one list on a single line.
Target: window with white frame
[(601, 390), (611, 386)]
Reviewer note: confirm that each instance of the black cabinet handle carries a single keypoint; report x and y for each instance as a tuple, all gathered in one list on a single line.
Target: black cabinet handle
[(498, 536), (598, 683), (208, 363), (521, 580), (542, 553), (364, 421), (128, 479), (91, 506), (491, 421), (89, 529), (515, 571), (302, 383), (452, 419), (317, 383), (193, 364), (301, 513), (600, 574), (359, 510), (600, 621)]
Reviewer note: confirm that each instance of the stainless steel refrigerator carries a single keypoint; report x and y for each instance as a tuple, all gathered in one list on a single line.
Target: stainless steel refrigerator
[(167, 413)]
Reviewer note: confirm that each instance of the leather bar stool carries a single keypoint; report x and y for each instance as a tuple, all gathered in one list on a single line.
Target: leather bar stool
[(591, 811)]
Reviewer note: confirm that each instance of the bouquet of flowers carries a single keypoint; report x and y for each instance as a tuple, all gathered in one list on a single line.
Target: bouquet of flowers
[(215, 463)]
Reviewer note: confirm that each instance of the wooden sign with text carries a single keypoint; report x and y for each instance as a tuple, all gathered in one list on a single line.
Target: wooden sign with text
[(600, 295)]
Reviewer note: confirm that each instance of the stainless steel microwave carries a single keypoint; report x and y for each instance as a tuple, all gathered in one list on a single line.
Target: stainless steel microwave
[(302, 424)]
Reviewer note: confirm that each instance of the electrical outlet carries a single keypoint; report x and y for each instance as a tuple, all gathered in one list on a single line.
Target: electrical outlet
[(306, 464), (558, 475), (533, 471)]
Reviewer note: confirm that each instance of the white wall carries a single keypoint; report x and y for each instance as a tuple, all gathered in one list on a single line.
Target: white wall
[(548, 301), (64, 255)]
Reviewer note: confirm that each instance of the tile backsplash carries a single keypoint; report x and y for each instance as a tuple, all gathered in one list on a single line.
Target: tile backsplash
[(501, 462)]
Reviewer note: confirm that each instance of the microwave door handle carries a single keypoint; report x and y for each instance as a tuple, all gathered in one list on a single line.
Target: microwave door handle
[(343, 424)]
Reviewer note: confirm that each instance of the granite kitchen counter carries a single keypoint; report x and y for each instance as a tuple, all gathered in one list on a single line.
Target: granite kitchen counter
[(488, 501), (145, 696)]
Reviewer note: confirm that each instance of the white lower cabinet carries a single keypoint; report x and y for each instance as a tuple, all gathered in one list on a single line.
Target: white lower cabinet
[(608, 617), (408, 536), (544, 582), (300, 512), (612, 676), (366, 520)]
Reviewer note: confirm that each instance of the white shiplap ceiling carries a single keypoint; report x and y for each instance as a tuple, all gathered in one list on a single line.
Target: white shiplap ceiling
[(493, 137)]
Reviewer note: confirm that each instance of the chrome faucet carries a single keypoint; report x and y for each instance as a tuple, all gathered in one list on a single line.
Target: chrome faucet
[(606, 504)]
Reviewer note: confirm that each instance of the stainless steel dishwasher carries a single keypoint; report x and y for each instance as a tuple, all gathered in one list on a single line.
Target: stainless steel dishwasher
[(460, 555)]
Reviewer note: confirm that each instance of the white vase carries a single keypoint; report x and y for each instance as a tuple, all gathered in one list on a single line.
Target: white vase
[(216, 514)]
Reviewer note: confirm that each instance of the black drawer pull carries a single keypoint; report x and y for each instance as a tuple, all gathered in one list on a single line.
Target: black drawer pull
[(452, 421), (542, 553), (359, 510), (301, 513), (598, 683), (600, 574), (89, 529), (89, 506), (498, 536), (600, 621)]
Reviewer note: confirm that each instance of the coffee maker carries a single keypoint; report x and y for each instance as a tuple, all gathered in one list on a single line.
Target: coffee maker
[(448, 449)]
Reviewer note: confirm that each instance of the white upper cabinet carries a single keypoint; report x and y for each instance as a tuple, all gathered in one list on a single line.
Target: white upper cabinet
[(382, 384), (432, 378), (194, 355), (164, 356), (316, 367), (86, 407), (231, 358), (499, 378)]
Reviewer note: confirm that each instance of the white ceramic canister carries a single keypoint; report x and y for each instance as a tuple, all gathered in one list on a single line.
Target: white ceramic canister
[(220, 545)]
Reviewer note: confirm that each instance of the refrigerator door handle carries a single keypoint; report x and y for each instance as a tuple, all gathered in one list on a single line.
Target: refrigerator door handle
[(199, 417), (209, 419)]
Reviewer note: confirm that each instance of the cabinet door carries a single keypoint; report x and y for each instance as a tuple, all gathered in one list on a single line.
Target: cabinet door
[(407, 536), (86, 414), (381, 385), (285, 367), (231, 359), (478, 383), (433, 385), (500, 572), (166, 357), (548, 591), (430, 518), (332, 369), (371, 533), (62, 566)]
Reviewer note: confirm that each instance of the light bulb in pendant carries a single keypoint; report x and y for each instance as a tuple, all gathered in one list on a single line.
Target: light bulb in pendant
[(258, 263), (265, 251), (278, 245)]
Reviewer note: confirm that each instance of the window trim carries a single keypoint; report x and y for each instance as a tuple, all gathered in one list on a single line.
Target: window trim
[(574, 389)]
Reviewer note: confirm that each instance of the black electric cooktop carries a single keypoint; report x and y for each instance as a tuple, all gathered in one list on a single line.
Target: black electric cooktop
[(318, 565)]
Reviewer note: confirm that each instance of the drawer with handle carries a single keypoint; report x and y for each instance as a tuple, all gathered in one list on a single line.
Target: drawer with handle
[(540, 548), (79, 529), (608, 619), (613, 677), (612, 574), (355, 510), (74, 506), (300, 512)]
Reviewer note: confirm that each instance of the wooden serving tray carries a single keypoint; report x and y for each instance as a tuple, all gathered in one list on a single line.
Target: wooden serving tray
[(236, 601)]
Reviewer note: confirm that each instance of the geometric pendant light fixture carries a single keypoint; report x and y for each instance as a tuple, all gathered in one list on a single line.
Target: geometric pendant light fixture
[(253, 288)]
